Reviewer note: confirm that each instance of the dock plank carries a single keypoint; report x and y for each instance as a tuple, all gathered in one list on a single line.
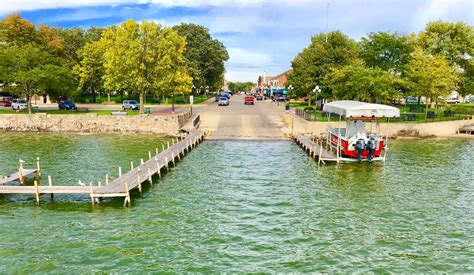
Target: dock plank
[(16, 176), (314, 148)]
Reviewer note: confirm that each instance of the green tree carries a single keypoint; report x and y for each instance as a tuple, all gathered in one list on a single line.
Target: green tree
[(33, 70), (90, 69), (204, 56), (144, 57), (454, 41), (311, 66), (357, 82), (389, 52), (429, 75)]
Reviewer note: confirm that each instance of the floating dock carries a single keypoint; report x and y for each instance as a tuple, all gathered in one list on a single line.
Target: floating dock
[(119, 187), (315, 150)]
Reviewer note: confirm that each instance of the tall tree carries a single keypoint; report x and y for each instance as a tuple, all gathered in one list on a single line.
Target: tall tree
[(317, 60), (204, 56), (454, 41), (430, 75), (90, 69), (389, 52), (33, 70), (51, 39), (142, 58), (18, 31)]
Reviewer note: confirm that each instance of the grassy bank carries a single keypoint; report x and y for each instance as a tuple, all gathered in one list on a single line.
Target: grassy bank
[(64, 112)]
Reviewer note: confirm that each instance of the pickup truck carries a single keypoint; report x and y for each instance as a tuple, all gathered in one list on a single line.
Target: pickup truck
[(249, 100)]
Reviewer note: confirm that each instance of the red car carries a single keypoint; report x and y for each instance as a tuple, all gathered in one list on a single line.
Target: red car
[(6, 101), (249, 100)]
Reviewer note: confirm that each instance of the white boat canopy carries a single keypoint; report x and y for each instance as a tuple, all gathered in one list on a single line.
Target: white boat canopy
[(350, 108)]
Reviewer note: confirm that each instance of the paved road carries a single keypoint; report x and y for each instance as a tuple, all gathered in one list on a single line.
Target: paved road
[(239, 121), (49, 107)]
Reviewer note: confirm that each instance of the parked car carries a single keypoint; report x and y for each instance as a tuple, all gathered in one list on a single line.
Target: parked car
[(223, 101), (259, 97), (67, 105), (6, 101), (227, 95), (19, 104), (469, 99), (249, 100), (282, 99), (453, 100), (130, 105)]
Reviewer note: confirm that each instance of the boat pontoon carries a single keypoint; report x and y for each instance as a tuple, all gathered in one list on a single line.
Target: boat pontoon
[(359, 140)]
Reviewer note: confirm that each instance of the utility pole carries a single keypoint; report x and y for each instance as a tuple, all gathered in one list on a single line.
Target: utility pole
[(327, 21)]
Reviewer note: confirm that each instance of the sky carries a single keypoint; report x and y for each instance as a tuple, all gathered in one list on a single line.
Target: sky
[(260, 35)]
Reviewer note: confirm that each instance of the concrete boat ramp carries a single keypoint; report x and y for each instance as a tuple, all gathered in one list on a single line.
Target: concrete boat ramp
[(119, 187)]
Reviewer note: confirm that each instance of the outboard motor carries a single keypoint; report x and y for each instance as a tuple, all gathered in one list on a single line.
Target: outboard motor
[(360, 146), (371, 145)]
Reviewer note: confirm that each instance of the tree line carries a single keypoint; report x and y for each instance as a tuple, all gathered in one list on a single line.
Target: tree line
[(133, 58), (383, 67), (240, 86)]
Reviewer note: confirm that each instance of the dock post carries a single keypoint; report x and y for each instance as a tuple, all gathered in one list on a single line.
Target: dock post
[(91, 193), (172, 159), (37, 197), (149, 154), (172, 141), (38, 168), (166, 164), (156, 151), (179, 155), (168, 144), (20, 172), (127, 201), (139, 181), (50, 184), (158, 169), (149, 176), (106, 179), (120, 171), (141, 161), (131, 165), (162, 147)]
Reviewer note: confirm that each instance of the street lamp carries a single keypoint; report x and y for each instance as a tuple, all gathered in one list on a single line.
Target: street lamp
[(207, 90), (316, 91)]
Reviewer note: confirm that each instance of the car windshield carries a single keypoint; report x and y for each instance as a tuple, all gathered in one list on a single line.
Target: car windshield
[(68, 102), (22, 101), (223, 98), (132, 102)]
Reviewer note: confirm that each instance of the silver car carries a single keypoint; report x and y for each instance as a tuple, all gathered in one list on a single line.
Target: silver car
[(223, 101), (130, 105)]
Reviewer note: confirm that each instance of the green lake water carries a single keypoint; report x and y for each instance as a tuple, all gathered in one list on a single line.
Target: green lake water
[(243, 206)]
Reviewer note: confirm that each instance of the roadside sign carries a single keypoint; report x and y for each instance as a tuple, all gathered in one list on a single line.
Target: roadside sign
[(191, 99)]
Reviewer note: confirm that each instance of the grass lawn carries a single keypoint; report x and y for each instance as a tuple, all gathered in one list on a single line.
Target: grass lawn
[(461, 111), (117, 99), (64, 112)]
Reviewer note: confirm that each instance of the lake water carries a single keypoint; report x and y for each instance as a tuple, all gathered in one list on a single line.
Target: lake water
[(243, 206)]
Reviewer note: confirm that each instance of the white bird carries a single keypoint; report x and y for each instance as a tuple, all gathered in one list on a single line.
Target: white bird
[(81, 183), (22, 161)]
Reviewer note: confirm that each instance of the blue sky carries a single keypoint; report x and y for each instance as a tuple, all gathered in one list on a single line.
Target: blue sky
[(259, 34)]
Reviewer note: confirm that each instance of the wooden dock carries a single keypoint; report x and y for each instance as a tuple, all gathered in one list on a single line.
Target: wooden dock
[(315, 150), (468, 129), (22, 173), (121, 186)]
